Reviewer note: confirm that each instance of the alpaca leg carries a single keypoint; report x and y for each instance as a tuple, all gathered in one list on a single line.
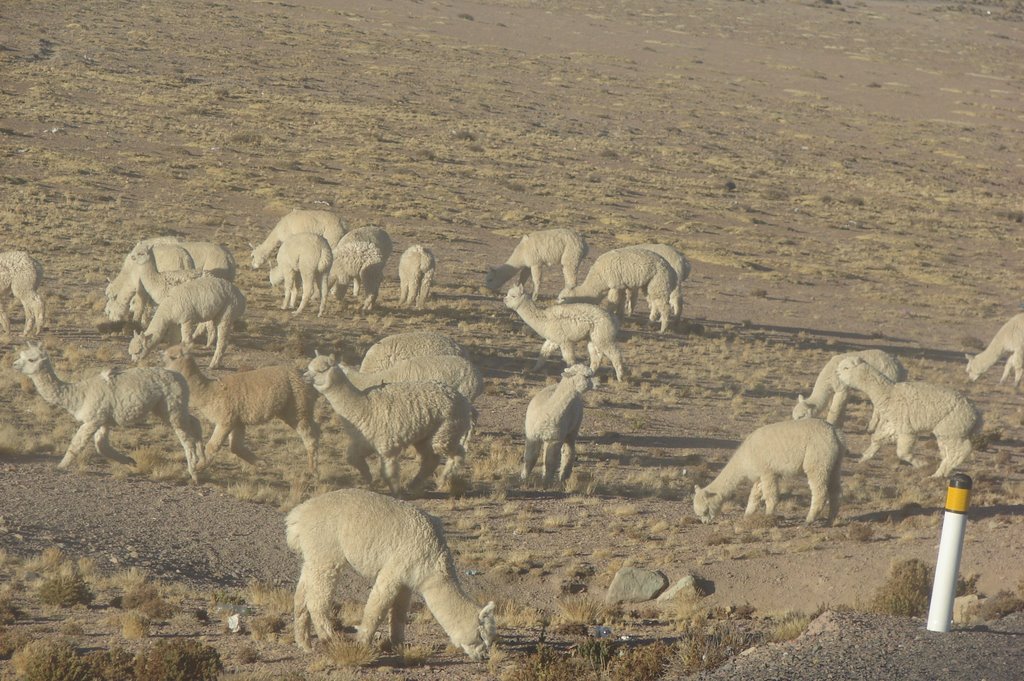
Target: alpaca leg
[(616, 359), (399, 613), (25, 305), (301, 615), (84, 433), (770, 492), (819, 494), (552, 449), (186, 331), (236, 445), (546, 350), (568, 353), (835, 492), (568, 458), (223, 331), (904, 445), (323, 295), (287, 286), (837, 406), (429, 461), (307, 289), (1017, 358), (954, 452), (106, 450), (1006, 368), (391, 470), (881, 435), (530, 455), (403, 292), (318, 589), (220, 433), (568, 272), (424, 289), (357, 459), (754, 500), (595, 356), (382, 595), (674, 306), (4, 321), (535, 275), (632, 298), (310, 434)]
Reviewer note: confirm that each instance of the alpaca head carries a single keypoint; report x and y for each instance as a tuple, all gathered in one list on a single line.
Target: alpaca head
[(118, 307), (32, 359), (139, 345), (802, 410), (974, 370), (276, 276), (141, 255), (177, 356), (706, 504), (846, 368), (320, 371), (484, 636), (515, 296), (582, 377), (259, 256)]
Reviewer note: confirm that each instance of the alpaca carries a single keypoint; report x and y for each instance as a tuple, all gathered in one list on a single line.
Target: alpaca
[(1008, 339), (457, 372), (194, 302), (116, 398), (362, 263), (248, 398), (629, 268), (906, 409), (21, 274), (415, 275), (169, 257), (401, 548), (321, 222), (679, 264), (402, 346), (562, 326), (549, 247), (553, 420), (430, 416), (770, 452), (307, 257), (827, 384)]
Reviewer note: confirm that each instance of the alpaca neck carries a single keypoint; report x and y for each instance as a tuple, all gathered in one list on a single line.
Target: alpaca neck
[(152, 281), (534, 317), (822, 390), (198, 383), (729, 478), (984, 360), (453, 610), (348, 401), (68, 396), (873, 384), (502, 273)]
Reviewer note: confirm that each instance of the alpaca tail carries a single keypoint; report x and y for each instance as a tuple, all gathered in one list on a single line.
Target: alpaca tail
[(293, 529)]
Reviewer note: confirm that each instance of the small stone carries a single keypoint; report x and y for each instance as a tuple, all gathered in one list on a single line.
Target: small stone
[(965, 608), (635, 585), (684, 588)]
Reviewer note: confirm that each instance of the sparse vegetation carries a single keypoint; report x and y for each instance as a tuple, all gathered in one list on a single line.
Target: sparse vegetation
[(906, 590)]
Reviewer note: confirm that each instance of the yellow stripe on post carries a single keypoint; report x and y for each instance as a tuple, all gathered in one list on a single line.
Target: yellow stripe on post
[(958, 495)]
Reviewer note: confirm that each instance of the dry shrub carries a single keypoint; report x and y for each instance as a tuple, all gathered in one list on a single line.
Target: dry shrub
[(65, 590), (860, 532), (706, 646), (580, 609), (345, 653), (263, 626), (145, 597), (8, 612), (549, 665), (115, 664), (787, 627), (178, 659), (597, 653), (49, 660), (644, 663), (134, 625), (414, 656), (274, 600), (906, 591), (999, 606), (12, 640)]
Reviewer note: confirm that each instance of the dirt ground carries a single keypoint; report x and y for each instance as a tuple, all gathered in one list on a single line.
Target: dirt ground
[(842, 175)]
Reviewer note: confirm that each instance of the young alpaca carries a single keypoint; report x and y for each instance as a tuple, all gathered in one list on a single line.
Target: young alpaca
[(553, 421), (457, 372), (679, 264), (247, 398), (399, 547), (326, 224), (773, 451), (116, 398), (562, 326), (1008, 339), (828, 385), (906, 409), (385, 419), (307, 257), (415, 275), (402, 346), (549, 247), (21, 274), (628, 268), (201, 300), (362, 263)]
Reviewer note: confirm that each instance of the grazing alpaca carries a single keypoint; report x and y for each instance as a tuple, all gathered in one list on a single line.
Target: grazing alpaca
[(1008, 339), (828, 384), (773, 451), (553, 421), (400, 548), (415, 275), (21, 274), (562, 326), (548, 247), (116, 398)]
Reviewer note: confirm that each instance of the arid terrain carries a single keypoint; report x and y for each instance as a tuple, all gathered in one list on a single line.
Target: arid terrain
[(842, 175)]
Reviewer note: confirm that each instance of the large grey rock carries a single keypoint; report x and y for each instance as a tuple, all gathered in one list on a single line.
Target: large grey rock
[(635, 585), (684, 588)]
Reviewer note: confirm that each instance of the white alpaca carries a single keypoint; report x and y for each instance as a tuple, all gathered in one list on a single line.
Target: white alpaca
[(361, 263), (771, 452), (679, 264), (402, 346), (211, 258), (827, 385), (427, 415), (248, 398), (549, 247), (1008, 339), (906, 409), (400, 548), (457, 372), (169, 257), (194, 302), (553, 420), (21, 274), (630, 268), (306, 257), (415, 275), (116, 398), (326, 224), (562, 326)]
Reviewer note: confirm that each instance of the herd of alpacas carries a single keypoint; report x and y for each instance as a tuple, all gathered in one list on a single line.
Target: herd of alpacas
[(417, 390)]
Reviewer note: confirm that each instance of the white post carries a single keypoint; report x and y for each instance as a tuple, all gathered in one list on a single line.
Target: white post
[(947, 566)]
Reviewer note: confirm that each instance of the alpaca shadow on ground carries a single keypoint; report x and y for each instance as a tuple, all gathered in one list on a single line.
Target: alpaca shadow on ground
[(662, 442), (911, 510)]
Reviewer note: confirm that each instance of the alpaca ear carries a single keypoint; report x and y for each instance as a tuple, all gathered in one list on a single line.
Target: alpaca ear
[(331, 358), (486, 612), (969, 357), (696, 490), (250, 245), (799, 399), (316, 352)]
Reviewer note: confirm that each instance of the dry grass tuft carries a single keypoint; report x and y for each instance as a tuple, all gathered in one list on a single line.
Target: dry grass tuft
[(580, 609), (787, 627), (906, 591), (414, 656), (1000, 605), (346, 653), (274, 600), (134, 625), (706, 646)]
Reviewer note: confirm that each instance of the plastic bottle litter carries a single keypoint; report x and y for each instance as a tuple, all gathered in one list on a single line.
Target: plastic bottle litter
[(601, 632), (235, 623)]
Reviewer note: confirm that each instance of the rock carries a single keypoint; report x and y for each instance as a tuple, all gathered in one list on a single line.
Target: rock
[(635, 585), (965, 608), (684, 588)]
